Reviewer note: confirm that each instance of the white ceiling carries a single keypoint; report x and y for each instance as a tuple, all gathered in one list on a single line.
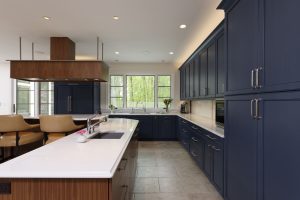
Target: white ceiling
[(146, 32)]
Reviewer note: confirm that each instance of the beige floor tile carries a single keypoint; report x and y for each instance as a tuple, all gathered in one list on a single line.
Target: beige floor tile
[(204, 197), (156, 172), (161, 196), (146, 185), (174, 185)]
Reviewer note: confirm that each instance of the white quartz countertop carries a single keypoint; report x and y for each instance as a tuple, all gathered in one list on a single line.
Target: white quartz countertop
[(78, 117), (66, 158), (205, 123)]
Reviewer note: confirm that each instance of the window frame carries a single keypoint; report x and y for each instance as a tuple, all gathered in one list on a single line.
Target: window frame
[(39, 97), (29, 103), (110, 91), (157, 86)]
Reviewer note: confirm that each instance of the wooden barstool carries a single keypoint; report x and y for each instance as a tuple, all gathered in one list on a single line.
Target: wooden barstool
[(57, 126), (15, 132)]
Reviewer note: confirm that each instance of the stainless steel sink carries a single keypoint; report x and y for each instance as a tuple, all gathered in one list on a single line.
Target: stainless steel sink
[(108, 135)]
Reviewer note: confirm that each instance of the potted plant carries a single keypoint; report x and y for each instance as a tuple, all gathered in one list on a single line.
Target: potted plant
[(167, 102), (111, 108)]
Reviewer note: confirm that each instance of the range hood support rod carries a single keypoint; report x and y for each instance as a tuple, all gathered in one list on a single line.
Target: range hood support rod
[(20, 47), (102, 46), (32, 51)]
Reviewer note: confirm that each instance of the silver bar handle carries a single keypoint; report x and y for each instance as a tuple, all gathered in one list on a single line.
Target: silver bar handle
[(195, 128), (257, 81), (252, 101), (70, 103), (194, 139), (193, 154), (216, 149), (212, 138), (257, 109), (252, 78)]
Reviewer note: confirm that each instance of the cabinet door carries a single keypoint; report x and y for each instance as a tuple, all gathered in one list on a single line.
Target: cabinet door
[(82, 100), (218, 166), (242, 45), (282, 45), (146, 127), (208, 160), (203, 74), (197, 148), (182, 83), (196, 76), (62, 94), (165, 127), (191, 69), (241, 149), (221, 72), (187, 81), (280, 130), (211, 71)]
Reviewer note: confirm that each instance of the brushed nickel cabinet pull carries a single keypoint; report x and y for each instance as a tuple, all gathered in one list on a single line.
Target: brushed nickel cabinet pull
[(252, 78), (212, 138), (257, 109), (252, 101), (194, 139), (216, 149)]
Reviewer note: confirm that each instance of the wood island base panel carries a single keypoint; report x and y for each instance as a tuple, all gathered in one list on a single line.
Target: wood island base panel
[(55, 189)]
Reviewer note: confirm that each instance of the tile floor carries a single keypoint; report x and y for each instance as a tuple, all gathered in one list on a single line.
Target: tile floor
[(167, 172)]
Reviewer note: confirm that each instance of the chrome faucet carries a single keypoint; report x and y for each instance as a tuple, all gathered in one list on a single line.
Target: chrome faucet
[(90, 126)]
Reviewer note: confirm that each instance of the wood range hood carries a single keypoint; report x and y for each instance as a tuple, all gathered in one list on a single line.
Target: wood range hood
[(62, 65)]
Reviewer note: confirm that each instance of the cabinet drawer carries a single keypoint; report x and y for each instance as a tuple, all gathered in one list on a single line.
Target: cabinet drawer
[(197, 145)]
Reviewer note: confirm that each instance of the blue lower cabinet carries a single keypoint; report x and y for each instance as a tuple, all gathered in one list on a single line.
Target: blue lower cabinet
[(197, 149), (165, 127)]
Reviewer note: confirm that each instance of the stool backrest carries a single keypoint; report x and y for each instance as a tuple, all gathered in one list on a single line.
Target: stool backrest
[(56, 123), (12, 123)]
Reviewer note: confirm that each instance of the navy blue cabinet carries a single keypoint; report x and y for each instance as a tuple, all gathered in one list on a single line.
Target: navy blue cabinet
[(280, 69), (197, 148), (76, 98), (165, 127), (196, 61), (221, 66), (241, 146), (211, 70), (203, 74), (242, 46), (279, 130)]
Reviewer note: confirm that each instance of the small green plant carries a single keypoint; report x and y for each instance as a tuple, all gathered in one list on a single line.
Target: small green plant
[(111, 107), (167, 102)]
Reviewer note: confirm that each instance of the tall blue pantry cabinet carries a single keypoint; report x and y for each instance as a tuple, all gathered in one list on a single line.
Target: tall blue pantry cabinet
[(262, 100)]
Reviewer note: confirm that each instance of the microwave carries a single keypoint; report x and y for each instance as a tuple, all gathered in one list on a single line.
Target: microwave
[(220, 112)]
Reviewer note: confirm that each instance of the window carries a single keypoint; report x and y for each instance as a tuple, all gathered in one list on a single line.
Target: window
[(163, 90), (140, 91), (25, 98), (116, 91), (46, 96)]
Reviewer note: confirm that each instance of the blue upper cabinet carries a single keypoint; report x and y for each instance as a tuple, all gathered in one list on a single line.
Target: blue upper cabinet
[(242, 46), (204, 71), (220, 66), (280, 69), (211, 70), (262, 46)]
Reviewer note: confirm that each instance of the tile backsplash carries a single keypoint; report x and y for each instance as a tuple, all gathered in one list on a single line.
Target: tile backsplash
[(204, 108)]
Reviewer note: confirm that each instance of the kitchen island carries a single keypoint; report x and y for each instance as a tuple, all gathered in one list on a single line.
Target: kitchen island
[(65, 169)]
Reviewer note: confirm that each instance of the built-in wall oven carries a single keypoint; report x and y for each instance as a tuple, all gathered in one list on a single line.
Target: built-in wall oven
[(220, 112)]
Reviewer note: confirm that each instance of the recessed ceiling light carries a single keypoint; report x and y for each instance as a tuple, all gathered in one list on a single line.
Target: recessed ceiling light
[(117, 52), (171, 53), (116, 18), (182, 26), (46, 18)]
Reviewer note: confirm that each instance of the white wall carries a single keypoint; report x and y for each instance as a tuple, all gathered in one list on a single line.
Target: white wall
[(5, 89), (144, 69)]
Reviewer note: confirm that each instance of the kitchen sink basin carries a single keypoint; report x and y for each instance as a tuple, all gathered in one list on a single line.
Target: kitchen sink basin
[(108, 135)]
